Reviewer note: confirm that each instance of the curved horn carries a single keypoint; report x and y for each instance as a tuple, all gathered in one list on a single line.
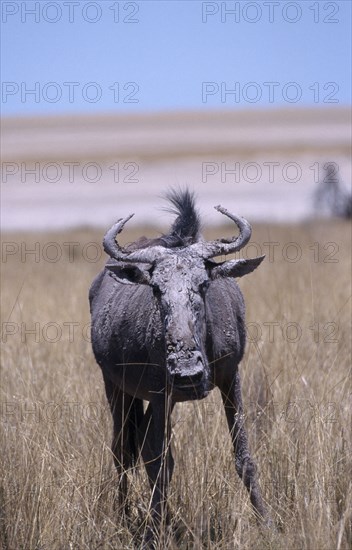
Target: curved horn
[(114, 250), (225, 246)]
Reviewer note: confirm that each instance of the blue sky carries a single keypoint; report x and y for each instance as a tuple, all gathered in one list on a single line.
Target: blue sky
[(82, 56)]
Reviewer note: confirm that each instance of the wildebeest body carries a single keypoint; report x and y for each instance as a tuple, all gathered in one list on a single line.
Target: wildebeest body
[(168, 325), (127, 331)]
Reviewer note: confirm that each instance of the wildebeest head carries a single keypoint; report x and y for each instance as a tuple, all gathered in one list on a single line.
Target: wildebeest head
[(179, 277)]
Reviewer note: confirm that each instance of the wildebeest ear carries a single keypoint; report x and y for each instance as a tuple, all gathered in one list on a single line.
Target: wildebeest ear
[(128, 274), (236, 268)]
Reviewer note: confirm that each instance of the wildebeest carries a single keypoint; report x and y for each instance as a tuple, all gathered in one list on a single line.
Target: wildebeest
[(168, 325)]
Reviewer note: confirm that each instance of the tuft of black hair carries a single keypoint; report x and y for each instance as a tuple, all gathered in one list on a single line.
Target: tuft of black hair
[(186, 228)]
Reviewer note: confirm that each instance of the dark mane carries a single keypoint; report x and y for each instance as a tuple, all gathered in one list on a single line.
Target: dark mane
[(186, 228)]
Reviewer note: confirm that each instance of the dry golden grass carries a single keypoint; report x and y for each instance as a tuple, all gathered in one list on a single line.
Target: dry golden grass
[(57, 476)]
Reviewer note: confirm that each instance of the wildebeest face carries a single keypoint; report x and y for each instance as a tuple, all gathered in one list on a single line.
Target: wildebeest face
[(179, 282)]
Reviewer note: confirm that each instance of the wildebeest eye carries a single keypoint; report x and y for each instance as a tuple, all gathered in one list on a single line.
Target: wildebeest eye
[(129, 274), (132, 273)]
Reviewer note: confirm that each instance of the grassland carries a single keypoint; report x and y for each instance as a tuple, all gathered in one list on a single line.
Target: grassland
[(58, 484)]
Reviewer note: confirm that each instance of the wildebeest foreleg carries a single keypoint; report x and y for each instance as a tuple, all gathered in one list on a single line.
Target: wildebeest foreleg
[(120, 404), (154, 440), (245, 467)]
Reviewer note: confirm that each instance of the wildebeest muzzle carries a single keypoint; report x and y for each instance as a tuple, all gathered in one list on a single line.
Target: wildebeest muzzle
[(187, 374)]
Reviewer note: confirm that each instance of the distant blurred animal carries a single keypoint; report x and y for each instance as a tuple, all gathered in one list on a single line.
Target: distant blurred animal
[(330, 196), (168, 325)]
